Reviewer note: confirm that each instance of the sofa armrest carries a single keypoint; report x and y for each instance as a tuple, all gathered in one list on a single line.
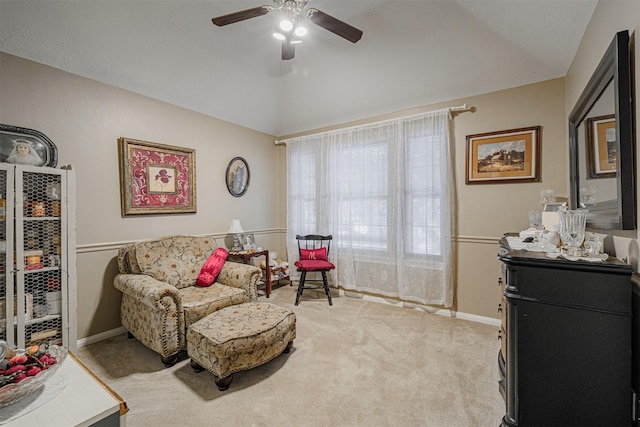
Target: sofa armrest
[(147, 290), (243, 276)]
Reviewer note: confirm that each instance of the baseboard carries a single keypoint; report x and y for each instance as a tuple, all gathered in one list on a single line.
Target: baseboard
[(439, 311), (101, 336), (475, 318)]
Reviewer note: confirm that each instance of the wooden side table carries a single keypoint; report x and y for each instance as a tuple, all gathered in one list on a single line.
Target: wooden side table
[(246, 257)]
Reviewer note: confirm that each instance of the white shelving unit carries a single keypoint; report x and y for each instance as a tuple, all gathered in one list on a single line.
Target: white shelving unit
[(37, 256)]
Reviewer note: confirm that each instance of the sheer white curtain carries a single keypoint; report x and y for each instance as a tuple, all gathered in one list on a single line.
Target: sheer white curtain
[(383, 190)]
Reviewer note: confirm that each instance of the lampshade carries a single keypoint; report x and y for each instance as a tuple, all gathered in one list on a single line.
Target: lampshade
[(235, 227)]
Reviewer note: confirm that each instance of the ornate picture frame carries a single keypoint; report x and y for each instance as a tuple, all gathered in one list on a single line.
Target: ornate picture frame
[(156, 178), (248, 241), (24, 146), (237, 176), (506, 156), (601, 146)]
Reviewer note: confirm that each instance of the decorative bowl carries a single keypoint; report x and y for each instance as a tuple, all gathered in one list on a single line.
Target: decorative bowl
[(13, 392)]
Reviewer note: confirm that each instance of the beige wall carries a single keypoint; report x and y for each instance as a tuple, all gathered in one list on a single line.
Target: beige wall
[(84, 119), (609, 17), (488, 211)]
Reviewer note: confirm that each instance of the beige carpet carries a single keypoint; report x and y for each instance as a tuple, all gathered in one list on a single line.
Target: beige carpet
[(358, 363)]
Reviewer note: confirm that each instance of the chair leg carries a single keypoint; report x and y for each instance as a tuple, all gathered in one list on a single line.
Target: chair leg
[(303, 275), (326, 286)]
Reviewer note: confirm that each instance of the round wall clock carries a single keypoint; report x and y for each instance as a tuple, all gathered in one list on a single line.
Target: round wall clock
[(237, 176)]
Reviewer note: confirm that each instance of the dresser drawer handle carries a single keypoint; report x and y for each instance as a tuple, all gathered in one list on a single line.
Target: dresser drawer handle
[(499, 308), (500, 334)]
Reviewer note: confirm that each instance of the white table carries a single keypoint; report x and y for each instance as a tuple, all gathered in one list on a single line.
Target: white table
[(86, 401)]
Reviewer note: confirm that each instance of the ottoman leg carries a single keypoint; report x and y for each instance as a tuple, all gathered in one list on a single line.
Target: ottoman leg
[(223, 383), (196, 367), (287, 349)]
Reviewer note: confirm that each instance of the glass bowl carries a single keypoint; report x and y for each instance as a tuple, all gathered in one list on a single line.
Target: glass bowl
[(11, 393)]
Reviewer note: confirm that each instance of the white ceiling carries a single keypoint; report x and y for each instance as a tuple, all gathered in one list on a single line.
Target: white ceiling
[(413, 53)]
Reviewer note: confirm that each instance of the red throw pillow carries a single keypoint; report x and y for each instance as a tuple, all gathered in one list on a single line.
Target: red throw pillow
[(317, 254), (212, 267)]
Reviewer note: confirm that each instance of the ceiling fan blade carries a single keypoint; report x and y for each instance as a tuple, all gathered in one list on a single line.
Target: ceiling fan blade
[(335, 25), (232, 18), (288, 50)]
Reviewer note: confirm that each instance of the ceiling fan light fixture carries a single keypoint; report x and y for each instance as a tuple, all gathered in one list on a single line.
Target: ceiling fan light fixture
[(278, 35), (300, 30), (287, 17), (285, 25)]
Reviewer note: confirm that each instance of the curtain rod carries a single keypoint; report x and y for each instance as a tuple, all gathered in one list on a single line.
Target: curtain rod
[(459, 108)]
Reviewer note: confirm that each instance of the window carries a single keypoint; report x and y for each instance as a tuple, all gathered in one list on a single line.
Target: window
[(382, 191)]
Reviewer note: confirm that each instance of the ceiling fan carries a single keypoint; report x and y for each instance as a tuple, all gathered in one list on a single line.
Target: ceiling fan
[(293, 17)]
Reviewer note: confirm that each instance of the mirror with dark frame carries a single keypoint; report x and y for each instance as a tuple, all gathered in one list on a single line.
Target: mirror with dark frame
[(601, 146)]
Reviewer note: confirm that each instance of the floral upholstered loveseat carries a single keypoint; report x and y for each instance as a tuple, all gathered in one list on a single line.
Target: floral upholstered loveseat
[(159, 296)]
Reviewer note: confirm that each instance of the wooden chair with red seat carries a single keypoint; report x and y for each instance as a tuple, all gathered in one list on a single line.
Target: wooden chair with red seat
[(313, 250)]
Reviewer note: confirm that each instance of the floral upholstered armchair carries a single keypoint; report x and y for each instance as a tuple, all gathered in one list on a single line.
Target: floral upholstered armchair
[(159, 296)]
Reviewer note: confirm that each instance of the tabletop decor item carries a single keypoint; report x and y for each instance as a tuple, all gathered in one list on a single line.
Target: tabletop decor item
[(156, 178), (503, 156), (547, 195), (237, 176), (248, 241), (22, 146), (25, 371), (572, 229)]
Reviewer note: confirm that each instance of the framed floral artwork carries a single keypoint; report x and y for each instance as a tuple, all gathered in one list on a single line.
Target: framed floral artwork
[(156, 178)]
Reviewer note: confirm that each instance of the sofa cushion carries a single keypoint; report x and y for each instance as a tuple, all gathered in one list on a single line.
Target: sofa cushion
[(176, 260), (197, 302), (212, 267)]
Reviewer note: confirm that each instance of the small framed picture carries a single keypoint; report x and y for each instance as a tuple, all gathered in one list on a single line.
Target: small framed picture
[(248, 241), (505, 156), (22, 146), (237, 242), (602, 146), (237, 176)]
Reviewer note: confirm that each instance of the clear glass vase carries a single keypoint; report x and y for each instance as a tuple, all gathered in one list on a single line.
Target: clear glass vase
[(571, 227)]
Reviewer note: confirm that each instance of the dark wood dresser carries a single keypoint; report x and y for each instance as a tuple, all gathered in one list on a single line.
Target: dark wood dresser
[(565, 358)]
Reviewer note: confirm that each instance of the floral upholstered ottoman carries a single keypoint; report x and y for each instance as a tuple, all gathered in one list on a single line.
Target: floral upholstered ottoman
[(239, 337)]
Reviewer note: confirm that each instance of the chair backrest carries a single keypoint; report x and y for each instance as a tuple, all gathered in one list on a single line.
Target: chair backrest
[(176, 260), (314, 241)]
